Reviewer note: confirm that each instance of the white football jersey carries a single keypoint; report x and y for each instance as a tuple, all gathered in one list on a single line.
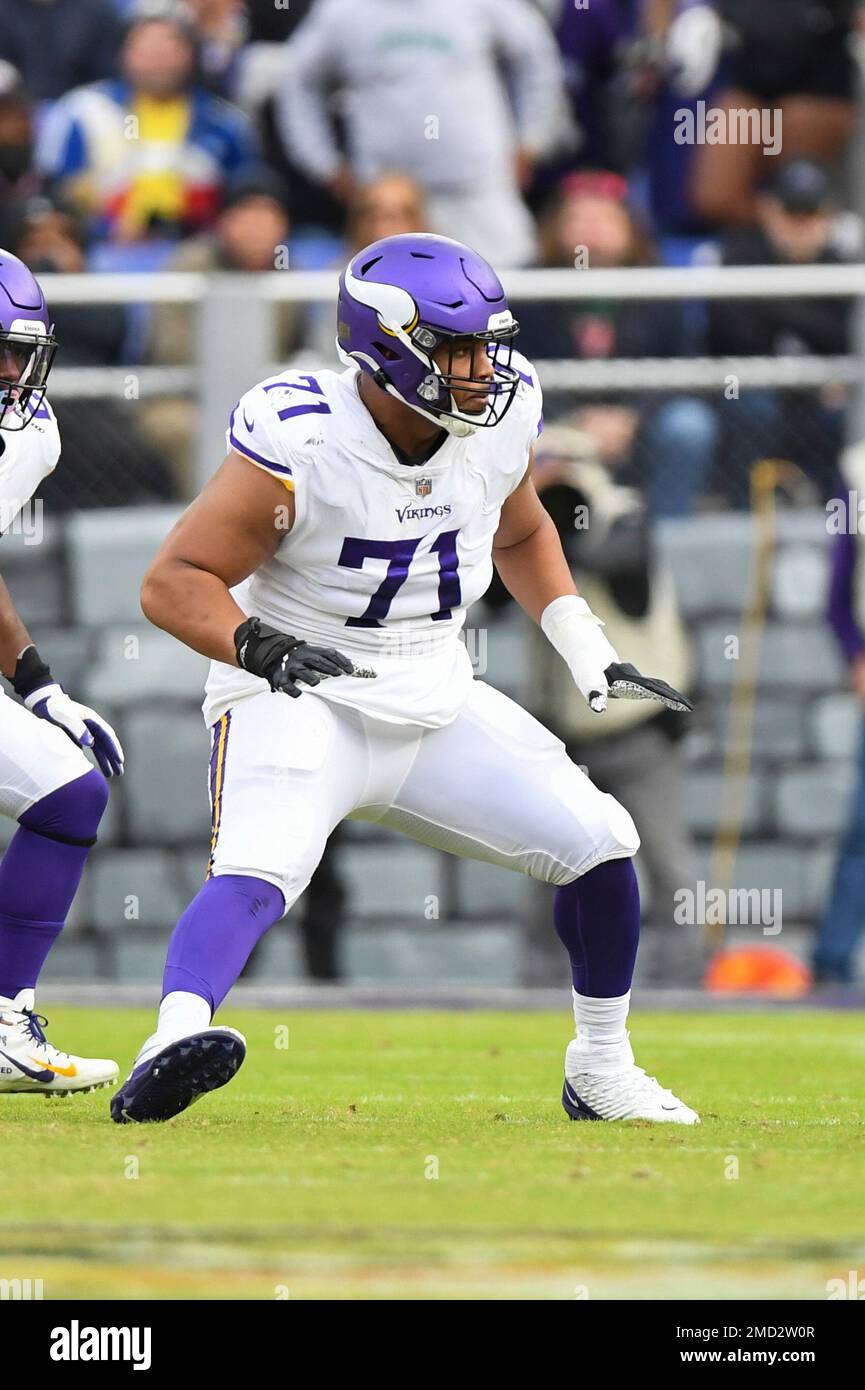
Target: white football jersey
[(384, 557), (27, 457)]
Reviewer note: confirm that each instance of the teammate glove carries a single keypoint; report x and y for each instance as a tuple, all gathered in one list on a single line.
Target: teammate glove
[(575, 632), (47, 699), (283, 661)]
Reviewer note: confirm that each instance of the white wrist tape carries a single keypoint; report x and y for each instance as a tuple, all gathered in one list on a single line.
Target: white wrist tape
[(564, 623), (575, 632)]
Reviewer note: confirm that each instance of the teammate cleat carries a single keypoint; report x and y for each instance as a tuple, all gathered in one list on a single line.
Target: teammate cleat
[(178, 1075), (30, 1064), (618, 1089)]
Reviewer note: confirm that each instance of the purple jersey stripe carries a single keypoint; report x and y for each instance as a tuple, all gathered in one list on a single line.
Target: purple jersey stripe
[(250, 453)]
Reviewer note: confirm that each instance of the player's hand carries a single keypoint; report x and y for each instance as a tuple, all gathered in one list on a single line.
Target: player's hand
[(284, 661), (626, 683), (83, 725)]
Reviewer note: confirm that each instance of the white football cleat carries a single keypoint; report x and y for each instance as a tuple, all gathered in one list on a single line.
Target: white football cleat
[(604, 1083), (30, 1064)]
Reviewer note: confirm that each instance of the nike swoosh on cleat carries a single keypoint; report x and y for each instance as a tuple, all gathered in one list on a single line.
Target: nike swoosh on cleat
[(71, 1070), (34, 1075)]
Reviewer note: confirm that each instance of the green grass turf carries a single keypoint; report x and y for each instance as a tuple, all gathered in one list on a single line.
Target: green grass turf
[(307, 1177)]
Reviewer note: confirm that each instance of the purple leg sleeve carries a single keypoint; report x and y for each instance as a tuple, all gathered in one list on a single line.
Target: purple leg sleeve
[(597, 918), (214, 938), (40, 873)]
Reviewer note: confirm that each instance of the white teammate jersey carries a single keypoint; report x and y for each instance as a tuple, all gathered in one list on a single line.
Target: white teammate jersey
[(27, 457), (384, 557)]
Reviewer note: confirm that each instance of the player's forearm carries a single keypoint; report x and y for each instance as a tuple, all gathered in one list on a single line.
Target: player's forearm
[(535, 570), (14, 637), (193, 605)]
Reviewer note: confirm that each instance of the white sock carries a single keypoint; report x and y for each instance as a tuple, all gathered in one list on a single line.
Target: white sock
[(601, 1022), (180, 1014)]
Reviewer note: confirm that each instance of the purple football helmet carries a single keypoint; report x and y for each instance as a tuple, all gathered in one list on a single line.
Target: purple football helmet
[(27, 343), (402, 298)]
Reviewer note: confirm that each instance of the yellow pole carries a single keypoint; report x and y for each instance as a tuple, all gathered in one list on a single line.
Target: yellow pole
[(765, 477)]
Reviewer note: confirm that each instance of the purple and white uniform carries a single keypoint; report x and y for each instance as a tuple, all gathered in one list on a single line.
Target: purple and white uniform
[(382, 562), (383, 559)]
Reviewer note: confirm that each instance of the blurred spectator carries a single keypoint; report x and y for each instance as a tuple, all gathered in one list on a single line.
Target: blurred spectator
[(97, 432), (18, 178), (843, 925), (592, 42), (672, 66), (223, 30), (422, 90), (634, 752), (148, 153), (792, 58), (390, 205), (271, 23), (591, 224), (251, 235), (387, 206), (793, 226), (59, 44)]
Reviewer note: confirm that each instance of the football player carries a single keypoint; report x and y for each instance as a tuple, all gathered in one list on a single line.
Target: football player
[(46, 783), (326, 570)]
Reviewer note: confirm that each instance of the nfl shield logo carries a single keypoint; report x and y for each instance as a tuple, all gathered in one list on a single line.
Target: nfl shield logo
[(423, 487)]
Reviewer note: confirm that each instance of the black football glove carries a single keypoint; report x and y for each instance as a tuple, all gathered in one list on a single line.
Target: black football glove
[(283, 661), (626, 683)]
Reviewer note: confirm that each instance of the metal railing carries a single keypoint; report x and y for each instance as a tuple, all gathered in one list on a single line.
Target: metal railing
[(236, 333)]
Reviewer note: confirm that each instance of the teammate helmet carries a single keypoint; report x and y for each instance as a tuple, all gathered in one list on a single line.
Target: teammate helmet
[(27, 343), (402, 298)]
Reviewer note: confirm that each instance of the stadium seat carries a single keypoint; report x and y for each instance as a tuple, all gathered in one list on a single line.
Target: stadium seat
[(34, 572), (709, 557), (703, 801), (490, 956), (116, 541), (167, 798), (772, 867), (801, 582), (800, 656), (130, 664), (395, 879), (813, 801), (778, 729), (135, 888), (69, 652), (835, 722), (485, 890), (499, 650)]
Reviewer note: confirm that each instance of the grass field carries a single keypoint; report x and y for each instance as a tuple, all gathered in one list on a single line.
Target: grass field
[(313, 1174)]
